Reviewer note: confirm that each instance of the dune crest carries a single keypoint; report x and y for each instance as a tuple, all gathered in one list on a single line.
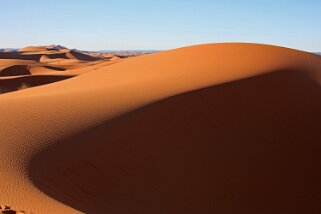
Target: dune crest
[(219, 128)]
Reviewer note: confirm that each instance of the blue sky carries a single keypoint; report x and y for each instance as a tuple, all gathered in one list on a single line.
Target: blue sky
[(159, 24)]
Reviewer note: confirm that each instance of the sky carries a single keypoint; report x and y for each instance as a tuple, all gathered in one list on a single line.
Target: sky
[(159, 24)]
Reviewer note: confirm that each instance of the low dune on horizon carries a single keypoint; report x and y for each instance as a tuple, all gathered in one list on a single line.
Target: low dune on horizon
[(217, 128)]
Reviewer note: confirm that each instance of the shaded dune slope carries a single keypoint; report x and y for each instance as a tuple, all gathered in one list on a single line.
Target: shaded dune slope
[(211, 150), (15, 83), (227, 128), (15, 70)]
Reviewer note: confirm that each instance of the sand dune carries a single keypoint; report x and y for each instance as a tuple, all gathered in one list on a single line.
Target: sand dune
[(42, 48), (45, 69), (38, 53), (220, 128), (80, 56), (37, 65), (10, 62)]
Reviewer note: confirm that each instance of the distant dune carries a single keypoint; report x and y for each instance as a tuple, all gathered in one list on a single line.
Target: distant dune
[(38, 65), (217, 128)]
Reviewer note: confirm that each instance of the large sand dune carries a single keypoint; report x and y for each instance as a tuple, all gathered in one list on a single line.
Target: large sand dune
[(221, 128)]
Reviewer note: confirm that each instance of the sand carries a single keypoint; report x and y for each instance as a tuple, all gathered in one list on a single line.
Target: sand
[(39, 65), (217, 128)]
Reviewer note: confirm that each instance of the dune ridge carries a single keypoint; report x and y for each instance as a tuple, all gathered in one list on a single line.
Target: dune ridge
[(212, 128)]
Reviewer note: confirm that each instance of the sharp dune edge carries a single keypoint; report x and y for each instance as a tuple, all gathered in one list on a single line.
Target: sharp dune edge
[(218, 128)]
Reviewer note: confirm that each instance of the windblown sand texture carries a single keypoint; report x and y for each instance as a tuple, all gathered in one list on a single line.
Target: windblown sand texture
[(218, 128)]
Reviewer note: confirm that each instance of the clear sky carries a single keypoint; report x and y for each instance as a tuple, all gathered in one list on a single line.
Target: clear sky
[(159, 24)]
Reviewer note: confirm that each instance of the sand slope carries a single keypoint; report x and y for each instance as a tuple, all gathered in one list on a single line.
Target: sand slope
[(221, 128)]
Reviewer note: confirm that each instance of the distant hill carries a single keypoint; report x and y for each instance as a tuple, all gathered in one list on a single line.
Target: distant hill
[(129, 51), (118, 53), (7, 49)]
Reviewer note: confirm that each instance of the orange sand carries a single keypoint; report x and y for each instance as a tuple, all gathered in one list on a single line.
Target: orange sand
[(219, 128)]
